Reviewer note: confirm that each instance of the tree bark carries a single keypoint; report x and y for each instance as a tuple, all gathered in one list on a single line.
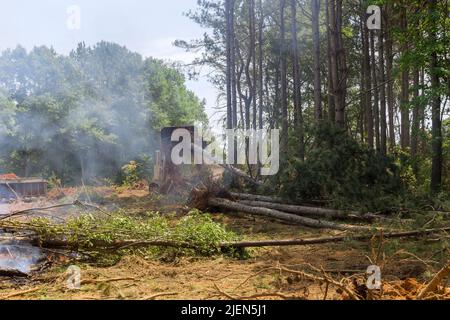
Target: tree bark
[(338, 61), (330, 96), (260, 64), (298, 113), (228, 68), (283, 79), (382, 77), (390, 82), (311, 211), (342, 68), (404, 105), (368, 114), (315, 9), (304, 242), (436, 144), (415, 122), (256, 197), (274, 214), (233, 66), (252, 14), (376, 109)]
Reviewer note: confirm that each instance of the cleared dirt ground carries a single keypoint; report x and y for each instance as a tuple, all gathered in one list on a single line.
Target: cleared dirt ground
[(406, 265)]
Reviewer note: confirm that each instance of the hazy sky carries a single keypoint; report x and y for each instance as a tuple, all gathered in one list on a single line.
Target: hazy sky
[(148, 27)]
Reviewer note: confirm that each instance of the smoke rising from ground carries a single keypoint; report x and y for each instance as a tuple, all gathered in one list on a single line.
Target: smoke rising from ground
[(87, 114)]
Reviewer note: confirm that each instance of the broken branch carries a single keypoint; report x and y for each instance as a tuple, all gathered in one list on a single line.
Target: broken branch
[(434, 282), (303, 242)]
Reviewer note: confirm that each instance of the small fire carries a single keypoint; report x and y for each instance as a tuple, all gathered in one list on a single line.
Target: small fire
[(17, 256)]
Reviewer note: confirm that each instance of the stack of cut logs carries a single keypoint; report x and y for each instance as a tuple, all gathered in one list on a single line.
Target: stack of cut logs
[(276, 208)]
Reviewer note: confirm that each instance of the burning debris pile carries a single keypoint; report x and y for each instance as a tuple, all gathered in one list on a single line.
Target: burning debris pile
[(20, 253), (17, 257)]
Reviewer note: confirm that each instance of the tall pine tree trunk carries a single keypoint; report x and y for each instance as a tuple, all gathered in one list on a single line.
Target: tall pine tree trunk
[(315, 9), (415, 122), (341, 85), (260, 65), (389, 76), (368, 114), (382, 77), (252, 17), (404, 105), (233, 66), (331, 106), (338, 63), (283, 80), (376, 109), (297, 82), (436, 168), (228, 67)]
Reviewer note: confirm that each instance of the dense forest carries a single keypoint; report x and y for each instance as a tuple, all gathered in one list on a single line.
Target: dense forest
[(364, 111), (87, 114)]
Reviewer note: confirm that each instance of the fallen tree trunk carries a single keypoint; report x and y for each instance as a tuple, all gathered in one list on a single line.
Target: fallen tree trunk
[(234, 171), (275, 214), (303, 242), (126, 244), (239, 173), (114, 245), (255, 197), (311, 211)]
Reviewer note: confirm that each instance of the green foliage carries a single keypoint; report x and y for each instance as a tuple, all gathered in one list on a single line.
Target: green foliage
[(53, 181), (134, 171), (341, 170), (196, 230), (170, 103), (199, 229), (130, 174)]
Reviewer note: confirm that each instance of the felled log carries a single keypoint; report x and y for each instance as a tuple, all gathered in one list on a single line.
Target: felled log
[(114, 245), (126, 244), (239, 173), (275, 214), (311, 241), (233, 170), (312, 211), (255, 197)]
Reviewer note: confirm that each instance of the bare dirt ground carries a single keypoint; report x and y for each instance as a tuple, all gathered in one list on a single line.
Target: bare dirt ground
[(406, 265)]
